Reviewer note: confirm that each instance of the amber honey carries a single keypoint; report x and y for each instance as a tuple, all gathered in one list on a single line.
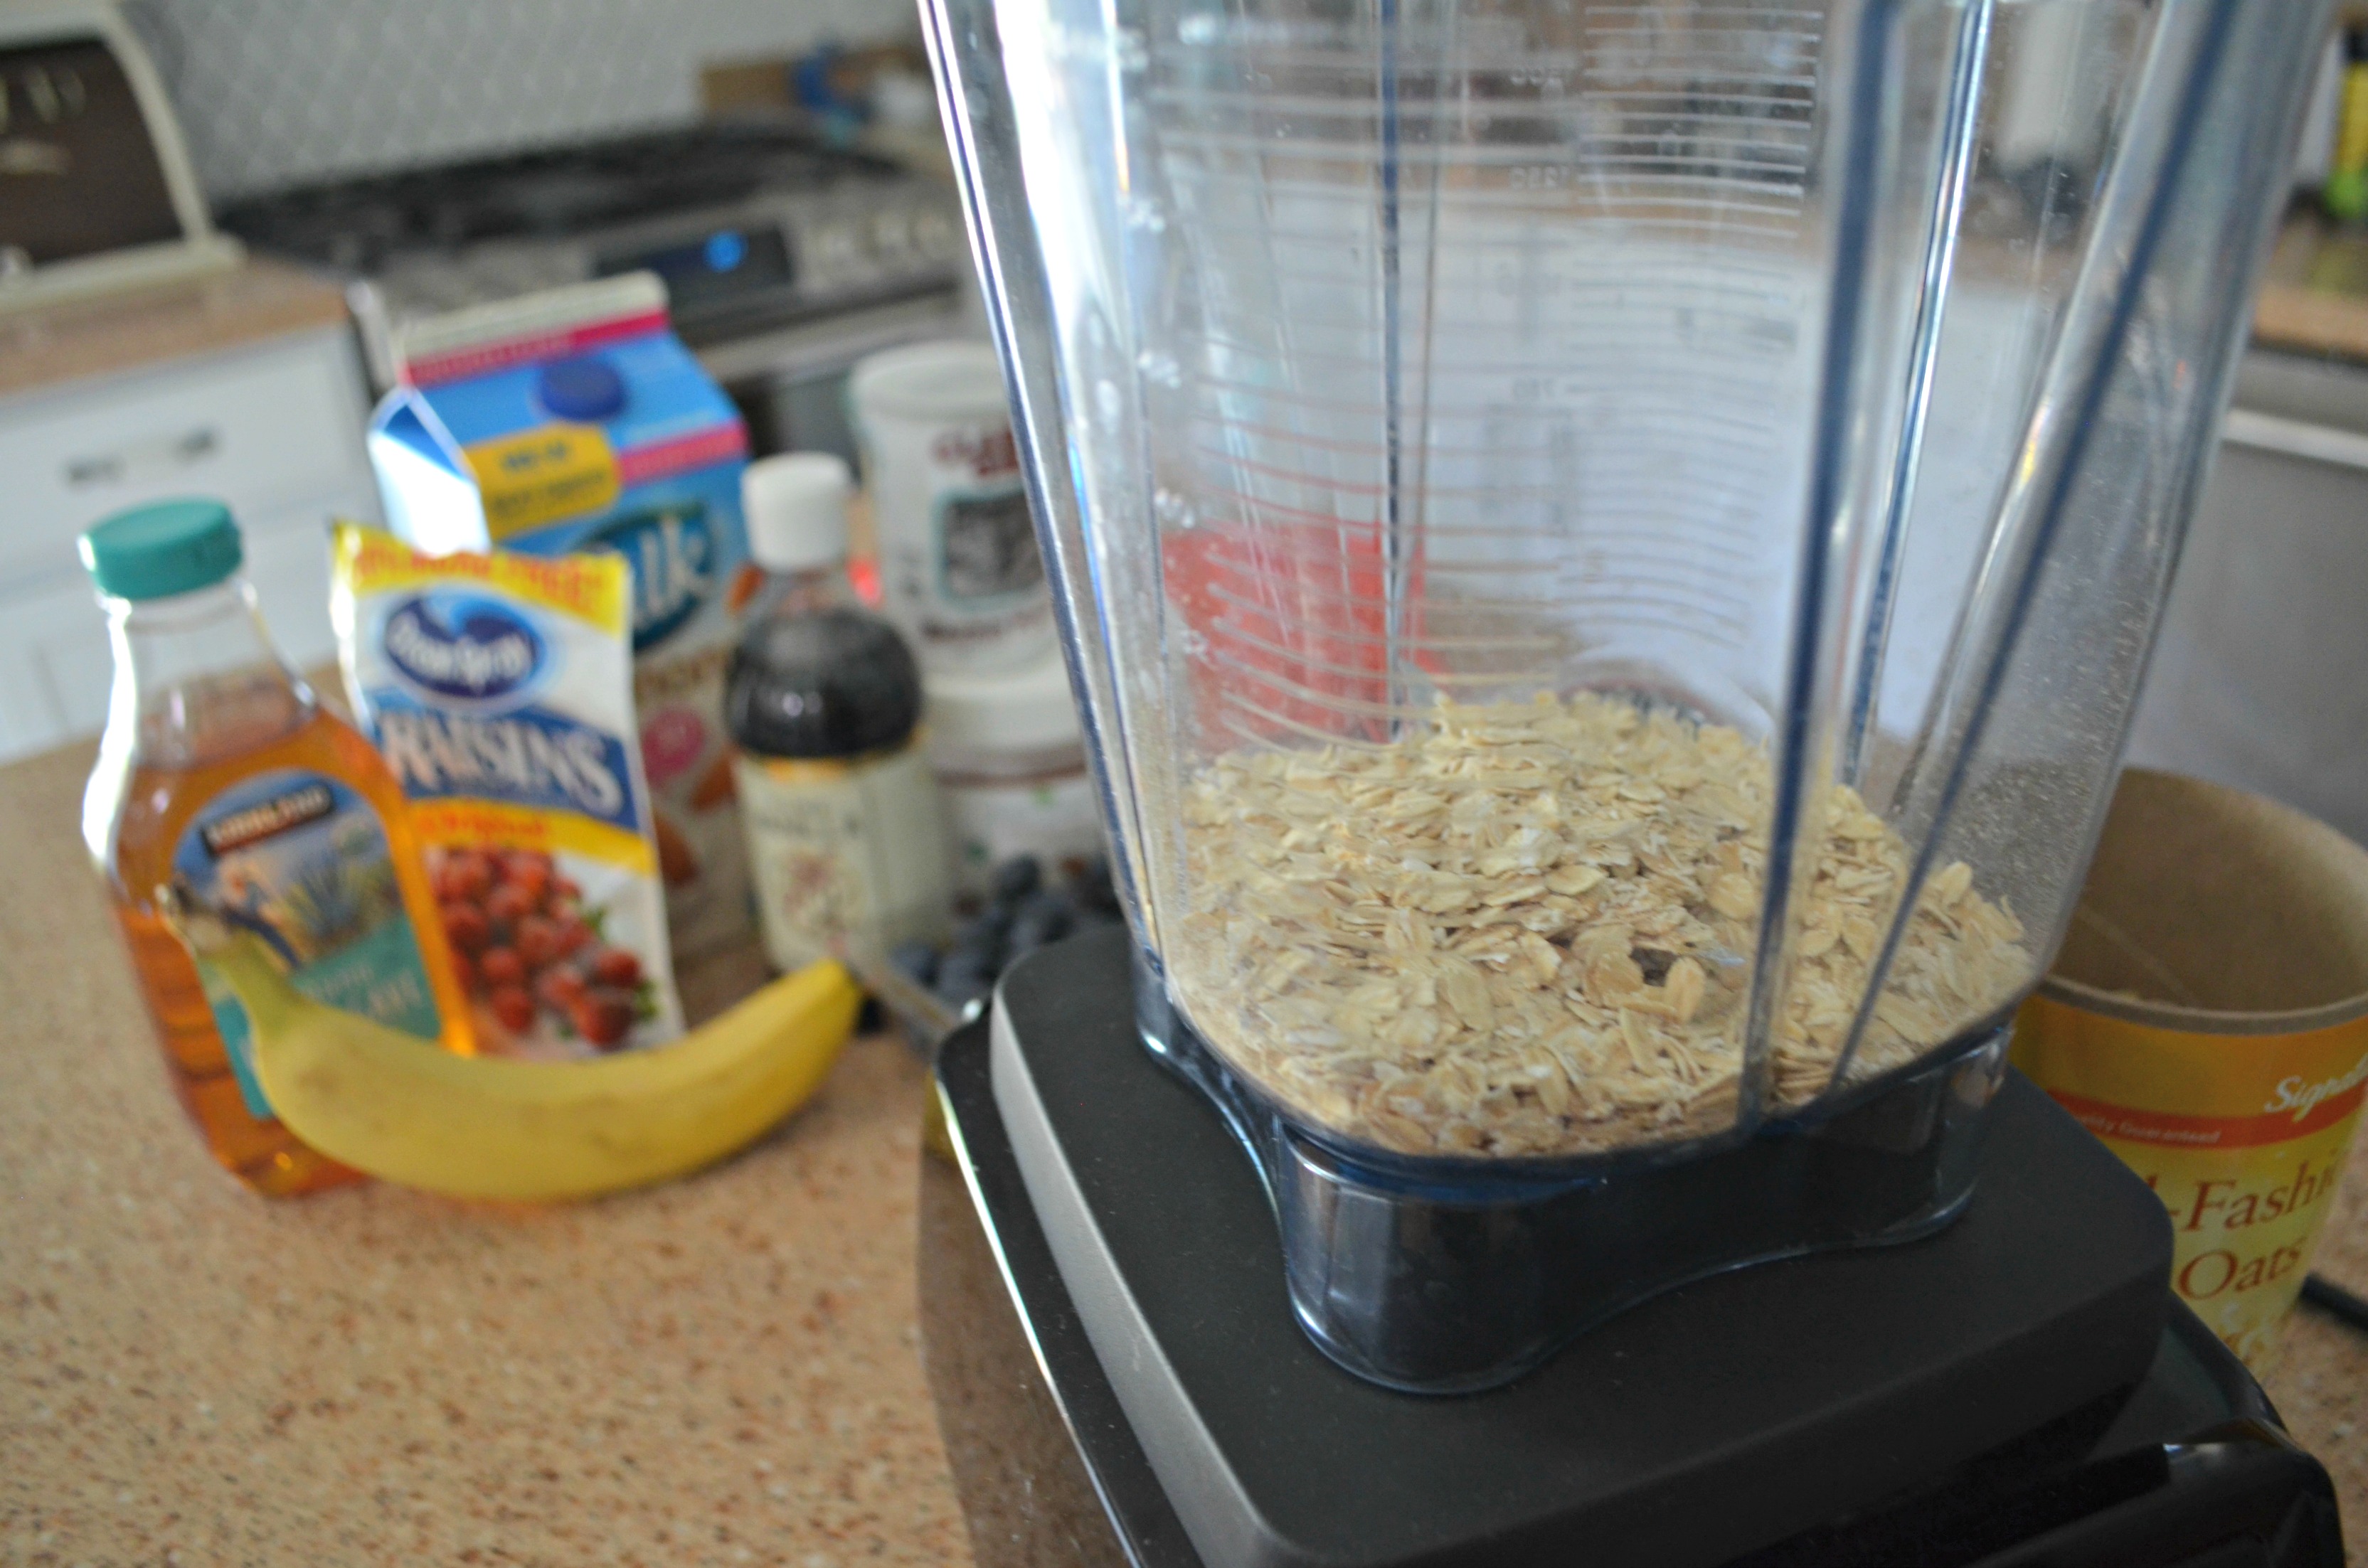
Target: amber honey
[(156, 807), (222, 778)]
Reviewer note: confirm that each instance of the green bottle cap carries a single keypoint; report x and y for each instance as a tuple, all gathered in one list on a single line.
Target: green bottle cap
[(170, 547)]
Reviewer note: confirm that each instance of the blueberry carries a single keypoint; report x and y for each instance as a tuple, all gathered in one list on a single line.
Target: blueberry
[(1094, 889), (989, 934), (1046, 918), (964, 965), (1015, 879), (917, 961)]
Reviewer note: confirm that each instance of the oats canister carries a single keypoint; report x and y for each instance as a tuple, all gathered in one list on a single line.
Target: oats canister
[(2208, 1019)]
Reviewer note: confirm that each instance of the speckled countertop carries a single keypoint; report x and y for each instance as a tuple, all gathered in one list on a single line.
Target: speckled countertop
[(719, 1372), (101, 334), (2314, 297)]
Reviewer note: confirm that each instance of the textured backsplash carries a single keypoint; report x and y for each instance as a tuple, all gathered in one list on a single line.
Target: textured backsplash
[(279, 92)]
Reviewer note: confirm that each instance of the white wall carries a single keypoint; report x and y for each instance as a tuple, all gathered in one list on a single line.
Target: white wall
[(279, 92)]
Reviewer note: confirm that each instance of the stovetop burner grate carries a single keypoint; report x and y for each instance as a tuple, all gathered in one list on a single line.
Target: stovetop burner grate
[(552, 193)]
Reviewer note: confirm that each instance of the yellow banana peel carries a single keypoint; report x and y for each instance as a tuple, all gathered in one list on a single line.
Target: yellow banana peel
[(483, 1127)]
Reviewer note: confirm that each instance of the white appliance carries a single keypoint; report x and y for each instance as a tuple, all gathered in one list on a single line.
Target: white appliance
[(96, 191)]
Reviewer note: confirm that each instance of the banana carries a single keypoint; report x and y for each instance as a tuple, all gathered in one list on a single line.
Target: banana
[(481, 1127)]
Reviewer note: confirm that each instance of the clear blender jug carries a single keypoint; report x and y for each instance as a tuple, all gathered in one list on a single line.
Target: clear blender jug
[(1606, 550)]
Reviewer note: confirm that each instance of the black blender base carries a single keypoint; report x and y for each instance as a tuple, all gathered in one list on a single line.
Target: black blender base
[(1713, 1425), (1456, 1277)]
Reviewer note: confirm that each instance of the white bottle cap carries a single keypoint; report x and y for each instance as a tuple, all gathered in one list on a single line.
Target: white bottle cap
[(796, 507)]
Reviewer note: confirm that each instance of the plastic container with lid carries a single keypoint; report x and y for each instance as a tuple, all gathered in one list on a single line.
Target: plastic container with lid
[(1608, 549), (958, 557), (844, 834), (1011, 761)]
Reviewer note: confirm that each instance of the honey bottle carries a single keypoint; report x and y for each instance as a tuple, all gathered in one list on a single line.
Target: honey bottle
[(220, 774)]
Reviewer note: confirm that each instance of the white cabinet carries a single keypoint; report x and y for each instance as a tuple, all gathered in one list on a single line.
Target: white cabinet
[(273, 430), (54, 661)]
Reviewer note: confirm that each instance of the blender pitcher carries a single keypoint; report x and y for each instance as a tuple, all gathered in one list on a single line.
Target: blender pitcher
[(1606, 550)]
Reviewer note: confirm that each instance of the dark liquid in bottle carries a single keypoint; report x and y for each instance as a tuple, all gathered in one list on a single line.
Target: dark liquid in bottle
[(829, 683)]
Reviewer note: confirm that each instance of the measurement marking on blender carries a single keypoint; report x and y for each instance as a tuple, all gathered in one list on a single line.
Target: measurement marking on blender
[(1558, 447), (1264, 739), (1291, 167), (1682, 591), (1653, 508), (1580, 520), (1591, 356), (1539, 239), (1233, 632), (1779, 142), (1675, 398), (1347, 707), (1730, 201), (1482, 393), (1594, 82), (1755, 20), (1575, 160), (1555, 302), (1285, 168), (1590, 469), (1515, 103), (1355, 61), (1436, 568), (1704, 538), (1690, 221), (1584, 335), (1363, 410), (1504, 493), (1654, 616), (1610, 461), (1596, 597), (1588, 349), (1429, 641), (1302, 588), (1775, 142), (1589, 525)]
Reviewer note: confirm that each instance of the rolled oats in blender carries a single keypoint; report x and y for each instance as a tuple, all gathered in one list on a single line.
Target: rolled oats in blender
[(1521, 930)]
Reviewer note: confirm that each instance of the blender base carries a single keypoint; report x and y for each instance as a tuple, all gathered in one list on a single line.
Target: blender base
[(1714, 1420), (1450, 1277)]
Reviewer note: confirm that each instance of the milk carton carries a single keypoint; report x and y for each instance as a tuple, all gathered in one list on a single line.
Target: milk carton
[(574, 420)]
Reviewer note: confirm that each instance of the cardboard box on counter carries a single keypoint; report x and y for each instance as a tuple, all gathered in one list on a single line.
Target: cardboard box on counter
[(2208, 1019)]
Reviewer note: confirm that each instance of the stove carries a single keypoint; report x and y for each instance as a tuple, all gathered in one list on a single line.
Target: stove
[(783, 258)]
